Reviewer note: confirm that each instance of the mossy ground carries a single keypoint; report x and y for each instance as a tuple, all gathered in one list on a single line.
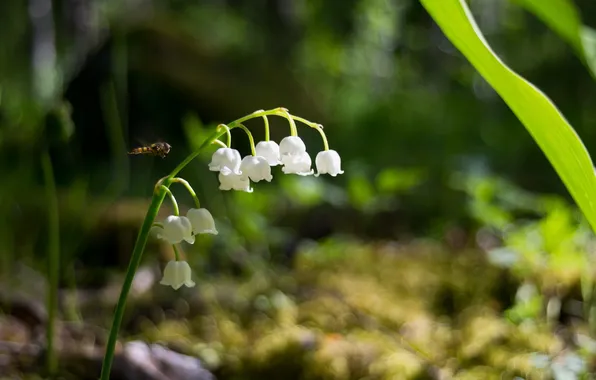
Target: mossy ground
[(362, 311)]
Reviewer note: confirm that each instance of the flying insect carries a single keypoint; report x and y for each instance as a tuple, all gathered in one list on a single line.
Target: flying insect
[(160, 149)]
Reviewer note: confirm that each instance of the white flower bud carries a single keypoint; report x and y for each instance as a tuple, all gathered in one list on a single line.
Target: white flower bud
[(270, 151), (328, 162), (175, 229), (297, 164), (202, 221), (256, 168), (291, 145), (176, 274), (225, 158), (232, 181)]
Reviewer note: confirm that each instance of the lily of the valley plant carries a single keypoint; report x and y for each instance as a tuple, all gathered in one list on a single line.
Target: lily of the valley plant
[(234, 173)]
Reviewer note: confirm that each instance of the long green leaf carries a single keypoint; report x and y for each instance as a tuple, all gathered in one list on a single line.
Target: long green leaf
[(563, 17), (540, 116)]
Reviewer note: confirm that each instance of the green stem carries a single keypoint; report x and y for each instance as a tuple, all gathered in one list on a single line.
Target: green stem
[(137, 253), (303, 120), (316, 126), (228, 134), (250, 138), (53, 258), (173, 199), (266, 121), (135, 260), (158, 197), (293, 130), (220, 130), (176, 254), (220, 143), (215, 135), (190, 190), (114, 122), (319, 128)]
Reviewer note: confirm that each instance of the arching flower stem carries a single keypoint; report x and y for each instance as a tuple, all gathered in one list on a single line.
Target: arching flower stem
[(228, 134), (173, 199), (293, 129), (190, 190), (319, 128), (176, 254), (160, 191), (220, 143), (266, 121), (137, 254), (250, 138)]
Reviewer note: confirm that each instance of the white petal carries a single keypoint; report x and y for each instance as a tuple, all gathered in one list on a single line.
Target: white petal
[(269, 150), (202, 221), (297, 164), (176, 274), (175, 229), (232, 181), (225, 158), (328, 162), (291, 145), (256, 168)]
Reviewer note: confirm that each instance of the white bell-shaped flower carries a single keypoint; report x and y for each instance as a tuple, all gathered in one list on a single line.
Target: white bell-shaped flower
[(229, 180), (225, 158), (202, 221), (256, 168), (297, 164), (291, 145), (175, 229), (176, 274), (328, 162), (270, 151)]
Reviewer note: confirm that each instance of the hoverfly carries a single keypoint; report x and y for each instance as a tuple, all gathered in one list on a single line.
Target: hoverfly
[(160, 149)]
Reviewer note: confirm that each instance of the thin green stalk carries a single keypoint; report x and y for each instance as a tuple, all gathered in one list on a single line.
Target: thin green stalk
[(137, 254), (250, 138), (120, 70), (325, 143), (53, 259), (266, 121), (114, 122), (228, 134), (293, 130), (316, 126), (173, 199), (190, 190), (218, 132), (176, 254), (304, 121), (220, 143), (158, 197)]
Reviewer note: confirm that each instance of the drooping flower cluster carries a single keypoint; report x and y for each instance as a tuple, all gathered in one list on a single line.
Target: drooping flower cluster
[(236, 173), (175, 229)]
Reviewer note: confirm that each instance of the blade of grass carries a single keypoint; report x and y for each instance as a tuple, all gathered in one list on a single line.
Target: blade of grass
[(53, 260), (563, 17), (554, 135)]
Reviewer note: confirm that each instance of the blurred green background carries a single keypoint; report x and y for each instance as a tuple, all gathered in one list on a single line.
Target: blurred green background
[(448, 248)]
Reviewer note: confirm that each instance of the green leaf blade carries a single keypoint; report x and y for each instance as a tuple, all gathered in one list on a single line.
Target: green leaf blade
[(554, 135), (563, 17)]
